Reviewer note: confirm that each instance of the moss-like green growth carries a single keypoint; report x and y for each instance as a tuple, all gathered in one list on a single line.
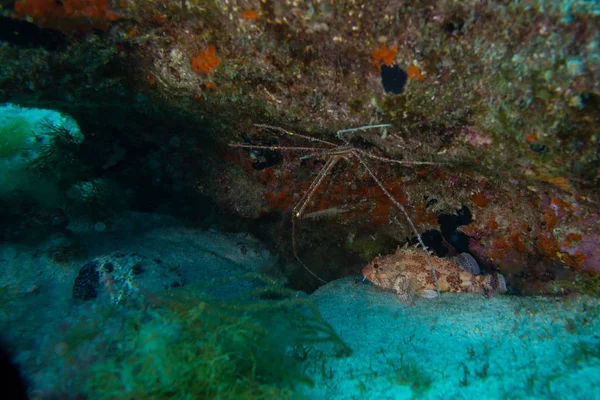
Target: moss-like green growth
[(583, 282), (584, 351), (185, 345), (410, 373), (369, 245), (57, 159), (13, 136)]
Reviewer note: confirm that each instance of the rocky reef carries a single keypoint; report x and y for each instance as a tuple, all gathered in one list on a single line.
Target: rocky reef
[(500, 98)]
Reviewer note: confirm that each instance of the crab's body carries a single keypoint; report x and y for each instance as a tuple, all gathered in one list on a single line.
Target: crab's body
[(407, 272)]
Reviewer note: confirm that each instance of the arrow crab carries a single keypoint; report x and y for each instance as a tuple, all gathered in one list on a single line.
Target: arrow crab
[(332, 153)]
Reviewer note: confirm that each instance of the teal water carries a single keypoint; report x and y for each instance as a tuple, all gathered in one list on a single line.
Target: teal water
[(229, 334)]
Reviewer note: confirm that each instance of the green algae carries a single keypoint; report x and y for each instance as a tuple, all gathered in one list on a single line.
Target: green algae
[(185, 344)]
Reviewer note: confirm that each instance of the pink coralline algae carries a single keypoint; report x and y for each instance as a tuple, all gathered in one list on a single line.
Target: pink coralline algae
[(474, 137), (586, 247)]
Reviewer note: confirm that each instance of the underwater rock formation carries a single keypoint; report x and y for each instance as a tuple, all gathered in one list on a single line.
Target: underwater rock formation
[(504, 96)]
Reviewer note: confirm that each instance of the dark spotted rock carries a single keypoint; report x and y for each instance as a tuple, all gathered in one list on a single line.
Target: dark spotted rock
[(86, 284)]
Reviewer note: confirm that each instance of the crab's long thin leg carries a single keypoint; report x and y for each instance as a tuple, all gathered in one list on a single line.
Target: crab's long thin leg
[(275, 148), (290, 133), (295, 247), (402, 162), (337, 152), (301, 205), (360, 128), (401, 208)]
